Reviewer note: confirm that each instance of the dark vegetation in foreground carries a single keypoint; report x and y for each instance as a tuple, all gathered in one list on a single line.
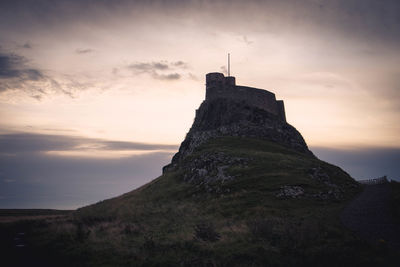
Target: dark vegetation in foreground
[(396, 199), (273, 212)]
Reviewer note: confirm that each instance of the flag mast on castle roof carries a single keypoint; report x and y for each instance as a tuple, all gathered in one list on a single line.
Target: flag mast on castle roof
[(229, 64)]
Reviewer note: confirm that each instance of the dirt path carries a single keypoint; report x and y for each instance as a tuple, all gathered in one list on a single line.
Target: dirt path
[(369, 215)]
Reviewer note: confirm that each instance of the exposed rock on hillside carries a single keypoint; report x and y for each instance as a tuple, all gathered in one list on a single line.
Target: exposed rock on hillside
[(288, 191), (208, 171), (226, 117)]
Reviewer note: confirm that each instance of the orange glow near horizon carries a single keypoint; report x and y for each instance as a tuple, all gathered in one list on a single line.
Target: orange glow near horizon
[(104, 154)]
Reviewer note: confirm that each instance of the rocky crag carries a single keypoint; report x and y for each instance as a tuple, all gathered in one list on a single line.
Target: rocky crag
[(231, 111), (224, 113)]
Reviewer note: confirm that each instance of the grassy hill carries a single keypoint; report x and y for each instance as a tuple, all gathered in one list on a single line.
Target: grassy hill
[(267, 205), (273, 206)]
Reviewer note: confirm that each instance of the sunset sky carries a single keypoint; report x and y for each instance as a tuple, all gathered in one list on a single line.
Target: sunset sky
[(103, 92)]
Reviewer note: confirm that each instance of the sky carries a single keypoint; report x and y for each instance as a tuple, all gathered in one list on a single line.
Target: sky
[(96, 96)]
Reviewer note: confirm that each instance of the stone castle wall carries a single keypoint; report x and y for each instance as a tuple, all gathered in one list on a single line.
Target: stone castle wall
[(219, 86)]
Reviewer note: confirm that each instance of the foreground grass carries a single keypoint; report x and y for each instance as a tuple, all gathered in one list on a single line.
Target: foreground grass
[(170, 222), (396, 199)]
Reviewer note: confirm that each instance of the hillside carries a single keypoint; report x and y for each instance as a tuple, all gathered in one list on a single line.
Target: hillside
[(278, 207), (275, 207)]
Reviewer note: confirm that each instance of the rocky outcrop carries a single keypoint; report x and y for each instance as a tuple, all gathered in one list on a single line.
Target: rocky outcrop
[(226, 117), (331, 189), (288, 191), (208, 171)]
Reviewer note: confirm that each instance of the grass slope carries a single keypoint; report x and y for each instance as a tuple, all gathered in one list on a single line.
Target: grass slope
[(169, 222), (395, 186)]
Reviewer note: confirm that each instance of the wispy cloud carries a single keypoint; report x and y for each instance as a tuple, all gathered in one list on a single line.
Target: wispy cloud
[(246, 40), (14, 66), (369, 18), (161, 70), (180, 64), (18, 74), (72, 182), (84, 51), (149, 67), (224, 70), (171, 76), (73, 171), (27, 45), (73, 146)]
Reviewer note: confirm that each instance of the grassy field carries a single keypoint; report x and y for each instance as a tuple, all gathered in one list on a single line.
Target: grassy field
[(170, 222)]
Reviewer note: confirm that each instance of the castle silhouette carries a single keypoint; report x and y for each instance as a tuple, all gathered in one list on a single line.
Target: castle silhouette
[(219, 86)]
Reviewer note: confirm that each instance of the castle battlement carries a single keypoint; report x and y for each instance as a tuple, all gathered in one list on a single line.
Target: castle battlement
[(219, 86)]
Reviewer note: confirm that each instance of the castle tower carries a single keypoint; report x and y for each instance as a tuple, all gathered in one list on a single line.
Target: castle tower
[(214, 80), (230, 81), (219, 86)]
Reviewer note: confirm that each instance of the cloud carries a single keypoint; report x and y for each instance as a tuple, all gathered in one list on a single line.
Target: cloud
[(30, 177), (17, 74), (8, 65), (193, 77), (180, 64), (84, 51), (14, 66), (160, 65), (157, 69), (149, 67), (362, 18), (224, 70), (172, 76), (27, 45), (45, 181), (39, 143), (246, 40), (37, 97)]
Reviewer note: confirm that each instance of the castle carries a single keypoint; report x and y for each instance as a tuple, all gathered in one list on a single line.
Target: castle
[(240, 111), (219, 86)]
